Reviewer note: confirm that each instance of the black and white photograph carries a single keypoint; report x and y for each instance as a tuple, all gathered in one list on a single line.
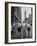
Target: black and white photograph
[(21, 22)]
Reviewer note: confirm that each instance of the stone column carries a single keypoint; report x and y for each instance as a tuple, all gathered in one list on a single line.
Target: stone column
[(21, 32)]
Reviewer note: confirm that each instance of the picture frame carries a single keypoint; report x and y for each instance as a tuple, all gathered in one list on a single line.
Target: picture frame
[(20, 22)]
